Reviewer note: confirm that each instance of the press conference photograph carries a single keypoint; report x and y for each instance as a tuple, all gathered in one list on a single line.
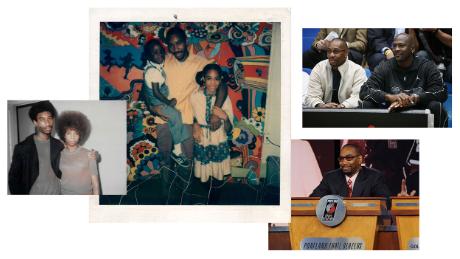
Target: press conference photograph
[(377, 77), (352, 195)]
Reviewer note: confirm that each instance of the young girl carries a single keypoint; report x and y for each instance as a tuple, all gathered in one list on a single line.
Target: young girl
[(211, 151), (79, 169)]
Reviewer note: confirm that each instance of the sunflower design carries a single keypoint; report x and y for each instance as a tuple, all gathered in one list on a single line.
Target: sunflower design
[(211, 28), (151, 131), (258, 114), (148, 126), (148, 121)]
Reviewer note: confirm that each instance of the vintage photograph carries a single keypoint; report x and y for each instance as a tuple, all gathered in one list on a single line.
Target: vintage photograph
[(203, 110), (66, 147)]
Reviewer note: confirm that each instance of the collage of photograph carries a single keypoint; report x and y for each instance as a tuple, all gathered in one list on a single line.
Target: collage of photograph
[(226, 131)]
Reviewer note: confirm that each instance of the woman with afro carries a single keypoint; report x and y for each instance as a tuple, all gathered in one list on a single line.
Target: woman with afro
[(79, 169)]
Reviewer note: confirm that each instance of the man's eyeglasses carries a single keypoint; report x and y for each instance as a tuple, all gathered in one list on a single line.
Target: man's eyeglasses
[(348, 158), (335, 51)]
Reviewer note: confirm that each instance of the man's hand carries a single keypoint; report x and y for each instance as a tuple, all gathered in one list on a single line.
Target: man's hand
[(401, 100), (93, 154), (156, 109), (219, 113), (389, 54), (215, 122), (321, 45), (330, 106), (404, 190), (197, 132)]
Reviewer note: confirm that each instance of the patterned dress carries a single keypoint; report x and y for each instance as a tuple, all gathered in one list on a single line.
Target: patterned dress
[(212, 154)]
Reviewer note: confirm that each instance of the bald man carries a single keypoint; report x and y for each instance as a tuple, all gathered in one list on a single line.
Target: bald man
[(406, 82), (335, 83)]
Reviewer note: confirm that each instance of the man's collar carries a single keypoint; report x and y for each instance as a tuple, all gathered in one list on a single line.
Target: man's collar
[(355, 174), (340, 68)]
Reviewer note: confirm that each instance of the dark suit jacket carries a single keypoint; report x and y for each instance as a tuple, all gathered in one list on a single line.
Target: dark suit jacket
[(378, 39), (369, 183), (24, 167)]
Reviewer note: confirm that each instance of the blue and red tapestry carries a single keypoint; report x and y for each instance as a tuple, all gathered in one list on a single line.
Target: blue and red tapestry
[(241, 49)]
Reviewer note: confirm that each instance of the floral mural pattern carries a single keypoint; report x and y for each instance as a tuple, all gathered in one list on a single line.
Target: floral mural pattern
[(241, 49)]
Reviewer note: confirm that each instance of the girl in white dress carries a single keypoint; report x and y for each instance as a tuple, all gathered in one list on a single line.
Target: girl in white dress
[(210, 150)]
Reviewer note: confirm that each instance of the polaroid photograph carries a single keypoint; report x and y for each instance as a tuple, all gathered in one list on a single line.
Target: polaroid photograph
[(205, 93)]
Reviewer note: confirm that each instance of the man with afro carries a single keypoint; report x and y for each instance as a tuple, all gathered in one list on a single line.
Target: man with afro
[(35, 165)]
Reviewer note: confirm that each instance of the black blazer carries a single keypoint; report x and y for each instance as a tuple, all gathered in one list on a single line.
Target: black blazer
[(24, 167), (369, 183), (377, 39)]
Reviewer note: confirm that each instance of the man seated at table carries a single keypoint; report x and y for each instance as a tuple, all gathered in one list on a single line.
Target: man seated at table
[(354, 180), (406, 82), (335, 82)]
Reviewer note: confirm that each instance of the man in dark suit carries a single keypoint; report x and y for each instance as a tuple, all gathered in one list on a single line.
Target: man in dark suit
[(352, 179), (379, 46)]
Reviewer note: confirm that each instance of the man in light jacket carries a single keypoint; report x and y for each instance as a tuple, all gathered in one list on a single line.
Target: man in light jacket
[(335, 82)]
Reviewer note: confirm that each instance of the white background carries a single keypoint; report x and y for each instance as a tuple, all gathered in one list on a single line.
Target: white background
[(45, 55)]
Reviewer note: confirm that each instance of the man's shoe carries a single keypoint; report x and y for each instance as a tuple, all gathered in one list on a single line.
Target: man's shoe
[(181, 160)]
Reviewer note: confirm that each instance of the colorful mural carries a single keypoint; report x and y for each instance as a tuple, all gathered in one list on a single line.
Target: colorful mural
[(241, 49)]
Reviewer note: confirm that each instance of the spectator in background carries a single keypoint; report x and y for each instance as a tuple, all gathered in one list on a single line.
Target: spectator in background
[(436, 45), (335, 82), (356, 40)]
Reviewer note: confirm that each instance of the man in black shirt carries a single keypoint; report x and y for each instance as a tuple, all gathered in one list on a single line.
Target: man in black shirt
[(406, 82)]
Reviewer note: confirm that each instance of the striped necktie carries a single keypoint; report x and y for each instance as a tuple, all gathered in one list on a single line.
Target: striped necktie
[(350, 187)]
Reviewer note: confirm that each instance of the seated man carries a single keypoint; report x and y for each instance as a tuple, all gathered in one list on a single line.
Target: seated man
[(406, 82), (335, 82), (352, 179), (379, 43), (356, 40)]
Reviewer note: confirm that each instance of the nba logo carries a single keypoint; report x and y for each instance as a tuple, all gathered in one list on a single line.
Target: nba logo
[(329, 210)]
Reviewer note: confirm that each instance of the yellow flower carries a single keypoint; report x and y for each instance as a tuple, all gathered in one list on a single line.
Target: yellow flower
[(258, 114), (235, 133)]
